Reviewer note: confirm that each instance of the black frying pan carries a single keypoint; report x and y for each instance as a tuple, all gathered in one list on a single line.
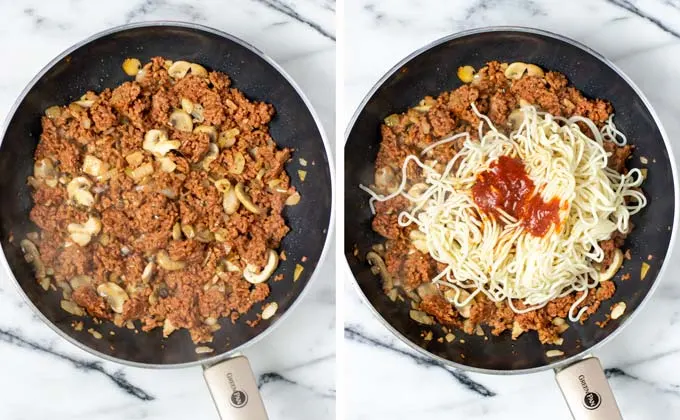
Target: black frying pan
[(432, 70), (95, 64)]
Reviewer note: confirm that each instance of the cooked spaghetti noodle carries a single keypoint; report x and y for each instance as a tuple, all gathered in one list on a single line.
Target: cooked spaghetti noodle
[(497, 253)]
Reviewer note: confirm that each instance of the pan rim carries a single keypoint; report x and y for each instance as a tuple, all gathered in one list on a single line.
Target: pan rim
[(327, 149), (558, 364)]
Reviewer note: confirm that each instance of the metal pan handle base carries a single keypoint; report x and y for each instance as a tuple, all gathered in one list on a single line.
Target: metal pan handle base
[(587, 391), (234, 390)]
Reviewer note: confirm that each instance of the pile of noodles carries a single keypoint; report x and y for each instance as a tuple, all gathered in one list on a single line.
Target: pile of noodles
[(496, 255)]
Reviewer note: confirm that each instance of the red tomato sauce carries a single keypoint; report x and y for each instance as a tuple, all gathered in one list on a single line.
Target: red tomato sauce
[(506, 186)]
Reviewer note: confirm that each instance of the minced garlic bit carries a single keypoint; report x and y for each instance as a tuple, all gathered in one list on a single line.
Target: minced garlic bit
[(554, 353), (618, 310), (303, 162), (95, 334)]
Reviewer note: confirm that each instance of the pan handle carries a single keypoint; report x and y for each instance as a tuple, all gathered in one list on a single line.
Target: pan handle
[(587, 391), (234, 390)]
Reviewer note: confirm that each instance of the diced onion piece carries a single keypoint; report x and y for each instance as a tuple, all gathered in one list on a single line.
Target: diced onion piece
[(94, 166), (140, 173), (643, 270), (466, 73), (269, 310), (132, 66), (298, 272), (618, 310)]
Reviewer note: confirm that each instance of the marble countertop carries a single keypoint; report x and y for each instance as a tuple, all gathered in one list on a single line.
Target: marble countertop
[(386, 379), (43, 376)]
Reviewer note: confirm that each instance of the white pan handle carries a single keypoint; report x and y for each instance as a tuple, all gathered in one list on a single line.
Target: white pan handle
[(234, 390), (587, 391)]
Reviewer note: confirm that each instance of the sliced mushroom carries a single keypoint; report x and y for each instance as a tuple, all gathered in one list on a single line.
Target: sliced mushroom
[(32, 256), (205, 236), (177, 231), (244, 198), (78, 190), (198, 70), (516, 70), (80, 281), (239, 164), (227, 138), (534, 70), (187, 105), (180, 120), (157, 143), (419, 241), (221, 235), (188, 231), (166, 263), (293, 200), (197, 113), (561, 324), (230, 202), (613, 267), (44, 169), (94, 166), (114, 295), (376, 260), (427, 289), (179, 69), (515, 119), (168, 328), (209, 130), (72, 308), (463, 295), (82, 233), (421, 317), (252, 276), (517, 330), (84, 103), (131, 66), (385, 179), (213, 152), (53, 112), (148, 271), (223, 185)]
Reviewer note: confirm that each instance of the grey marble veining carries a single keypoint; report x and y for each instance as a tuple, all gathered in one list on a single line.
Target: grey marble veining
[(43, 376), (390, 380)]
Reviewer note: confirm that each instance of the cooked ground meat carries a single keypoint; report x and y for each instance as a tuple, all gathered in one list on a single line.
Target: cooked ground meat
[(160, 237), (449, 113)]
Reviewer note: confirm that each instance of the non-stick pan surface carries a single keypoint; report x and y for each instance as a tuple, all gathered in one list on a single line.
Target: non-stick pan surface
[(96, 65), (433, 70)]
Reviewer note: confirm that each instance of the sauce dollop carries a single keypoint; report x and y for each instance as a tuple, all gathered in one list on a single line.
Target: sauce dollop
[(507, 186)]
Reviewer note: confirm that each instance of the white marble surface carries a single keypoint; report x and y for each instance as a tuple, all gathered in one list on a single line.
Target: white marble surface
[(42, 376), (384, 378)]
